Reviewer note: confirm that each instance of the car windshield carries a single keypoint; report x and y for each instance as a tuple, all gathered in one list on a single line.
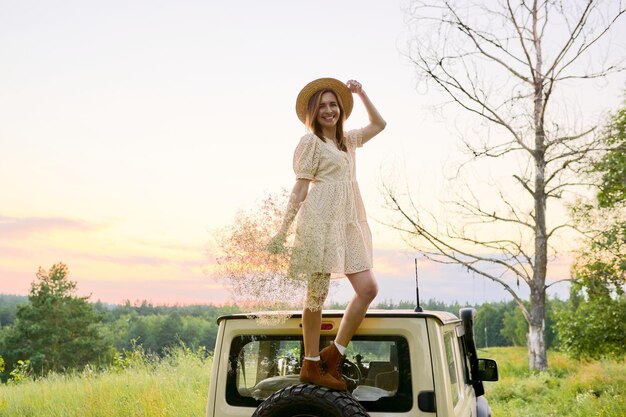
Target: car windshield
[(376, 370)]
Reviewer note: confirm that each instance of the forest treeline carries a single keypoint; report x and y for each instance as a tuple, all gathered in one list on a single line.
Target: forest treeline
[(157, 328)]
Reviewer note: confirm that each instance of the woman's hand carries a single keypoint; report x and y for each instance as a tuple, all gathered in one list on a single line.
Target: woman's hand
[(377, 123), (277, 244), (354, 86)]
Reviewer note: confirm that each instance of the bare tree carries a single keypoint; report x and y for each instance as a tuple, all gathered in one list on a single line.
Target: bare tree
[(501, 61)]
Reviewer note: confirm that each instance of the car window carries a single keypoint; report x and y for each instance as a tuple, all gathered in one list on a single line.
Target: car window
[(452, 365), (465, 365), (377, 370)]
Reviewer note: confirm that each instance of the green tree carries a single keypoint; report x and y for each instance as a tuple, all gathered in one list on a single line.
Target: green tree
[(8, 308), (594, 324), (514, 327), (168, 333), (593, 327), (57, 330), (604, 259), (141, 330), (197, 332), (612, 165), (489, 323)]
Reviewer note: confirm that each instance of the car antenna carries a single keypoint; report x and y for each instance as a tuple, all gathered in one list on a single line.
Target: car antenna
[(417, 290)]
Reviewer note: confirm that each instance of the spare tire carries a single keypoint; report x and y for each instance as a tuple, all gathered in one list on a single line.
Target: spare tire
[(306, 400)]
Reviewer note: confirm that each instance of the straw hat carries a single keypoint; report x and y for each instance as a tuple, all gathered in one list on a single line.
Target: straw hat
[(314, 86)]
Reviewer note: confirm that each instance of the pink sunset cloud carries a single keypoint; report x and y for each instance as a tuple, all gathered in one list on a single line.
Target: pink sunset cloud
[(20, 227)]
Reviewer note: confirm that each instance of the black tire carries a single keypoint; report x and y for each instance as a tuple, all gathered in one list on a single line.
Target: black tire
[(306, 400)]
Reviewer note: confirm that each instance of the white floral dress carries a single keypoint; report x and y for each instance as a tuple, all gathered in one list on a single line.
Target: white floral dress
[(332, 234)]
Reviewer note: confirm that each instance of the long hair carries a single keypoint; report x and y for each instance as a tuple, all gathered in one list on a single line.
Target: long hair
[(311, 117)]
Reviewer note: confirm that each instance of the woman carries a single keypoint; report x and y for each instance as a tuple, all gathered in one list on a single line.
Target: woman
[(332, 234)]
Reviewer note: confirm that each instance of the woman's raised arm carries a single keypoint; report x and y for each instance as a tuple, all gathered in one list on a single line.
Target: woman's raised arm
[(377, 123)]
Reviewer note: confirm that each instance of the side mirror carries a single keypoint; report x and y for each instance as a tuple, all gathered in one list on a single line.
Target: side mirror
[(487, 370)]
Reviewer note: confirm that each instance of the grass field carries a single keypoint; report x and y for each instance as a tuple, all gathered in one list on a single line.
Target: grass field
[(569, 389), (177, 386), (173, 387)]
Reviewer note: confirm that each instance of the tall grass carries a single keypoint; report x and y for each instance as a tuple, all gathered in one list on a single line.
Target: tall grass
[(568, 389), (176, 385)]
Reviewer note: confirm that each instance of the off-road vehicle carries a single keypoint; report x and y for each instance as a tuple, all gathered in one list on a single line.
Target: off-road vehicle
[(400, 363)]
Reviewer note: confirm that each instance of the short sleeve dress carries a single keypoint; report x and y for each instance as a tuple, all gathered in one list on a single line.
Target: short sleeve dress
[(332, 234)]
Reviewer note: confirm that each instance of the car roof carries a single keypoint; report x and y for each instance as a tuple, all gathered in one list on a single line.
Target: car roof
[(442, 316)]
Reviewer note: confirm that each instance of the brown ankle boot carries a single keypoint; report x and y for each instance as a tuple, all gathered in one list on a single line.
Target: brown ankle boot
[(313, 373), (333, 360)]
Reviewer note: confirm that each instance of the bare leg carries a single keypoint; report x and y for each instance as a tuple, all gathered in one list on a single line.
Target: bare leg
[(311, 323), (312, 314), (365, 290)]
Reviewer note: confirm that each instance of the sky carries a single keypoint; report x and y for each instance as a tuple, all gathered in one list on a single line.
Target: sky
[(131, 131)]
